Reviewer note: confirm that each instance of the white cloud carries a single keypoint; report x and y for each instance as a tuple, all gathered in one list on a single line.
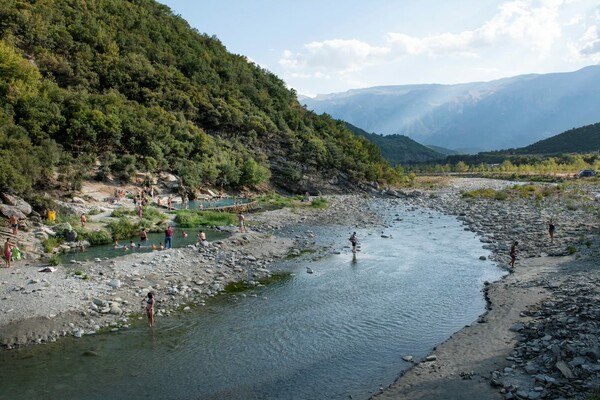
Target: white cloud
[(517, 23), (337, 54), (590, 43)]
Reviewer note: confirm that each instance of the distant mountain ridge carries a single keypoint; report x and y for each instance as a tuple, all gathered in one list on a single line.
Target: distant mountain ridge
[(399, 149), (505, 113)]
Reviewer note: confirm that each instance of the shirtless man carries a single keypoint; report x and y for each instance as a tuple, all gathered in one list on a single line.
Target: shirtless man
[(8, 251), (14, 224), (83, 221)]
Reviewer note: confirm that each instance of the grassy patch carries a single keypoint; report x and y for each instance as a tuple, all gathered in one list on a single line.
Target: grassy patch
[(275, 199), (571, 250), (193, 218)]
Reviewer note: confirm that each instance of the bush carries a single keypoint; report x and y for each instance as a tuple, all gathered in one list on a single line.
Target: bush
[(192, 218), (51, 243), (571, 250), (41, 204), (54, 260), (123, 228), (98, 237), (319, 202)]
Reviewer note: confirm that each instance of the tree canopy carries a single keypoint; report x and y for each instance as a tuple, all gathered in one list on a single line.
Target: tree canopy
[(129, 85)]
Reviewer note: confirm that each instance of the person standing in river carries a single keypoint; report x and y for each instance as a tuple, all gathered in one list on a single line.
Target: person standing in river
[(83, 220), (150, 309), (353, 239), (551, 229), (169, 237), (513, 254)]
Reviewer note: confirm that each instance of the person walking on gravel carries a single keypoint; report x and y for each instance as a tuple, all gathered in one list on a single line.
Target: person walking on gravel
[(513, 254)]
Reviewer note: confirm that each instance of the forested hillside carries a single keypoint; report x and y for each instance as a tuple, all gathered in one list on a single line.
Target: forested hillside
[(399, 149), (114, 86), (578, 140)]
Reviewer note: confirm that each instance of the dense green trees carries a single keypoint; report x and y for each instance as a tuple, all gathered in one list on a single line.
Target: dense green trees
[(134, 87)]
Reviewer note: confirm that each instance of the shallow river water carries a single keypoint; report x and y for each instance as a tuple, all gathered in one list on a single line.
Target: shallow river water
[(338, 332)]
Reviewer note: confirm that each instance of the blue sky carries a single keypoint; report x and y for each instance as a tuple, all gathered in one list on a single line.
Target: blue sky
[(326, 46)]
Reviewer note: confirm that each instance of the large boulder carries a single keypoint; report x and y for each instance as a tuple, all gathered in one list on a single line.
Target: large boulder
[(9, 211), (17, 202)]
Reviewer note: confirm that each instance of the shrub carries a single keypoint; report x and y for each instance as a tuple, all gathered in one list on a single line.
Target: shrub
[(54, 260), (51, 243), (123, 228), (319, 202), (571, 250), (98, 237)]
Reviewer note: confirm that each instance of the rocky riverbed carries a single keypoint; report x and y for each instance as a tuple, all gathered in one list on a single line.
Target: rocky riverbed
[(83, 298), (540, 337)]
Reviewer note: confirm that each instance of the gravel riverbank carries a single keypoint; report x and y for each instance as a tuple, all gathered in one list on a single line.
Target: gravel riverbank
[(540, 337)]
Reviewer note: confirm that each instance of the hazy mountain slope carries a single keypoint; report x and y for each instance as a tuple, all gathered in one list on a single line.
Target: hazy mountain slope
[(505, 113), (399, 149)]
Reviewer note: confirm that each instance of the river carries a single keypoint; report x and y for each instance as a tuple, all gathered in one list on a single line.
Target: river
[(340, 331)]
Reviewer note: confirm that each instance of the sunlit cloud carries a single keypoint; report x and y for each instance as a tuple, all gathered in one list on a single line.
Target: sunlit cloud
[(517, 22)]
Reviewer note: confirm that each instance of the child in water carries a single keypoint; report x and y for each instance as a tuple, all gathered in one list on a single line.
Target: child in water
[(150, 309)]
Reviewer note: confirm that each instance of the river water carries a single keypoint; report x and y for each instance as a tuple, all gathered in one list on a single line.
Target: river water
[(337, 332)]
